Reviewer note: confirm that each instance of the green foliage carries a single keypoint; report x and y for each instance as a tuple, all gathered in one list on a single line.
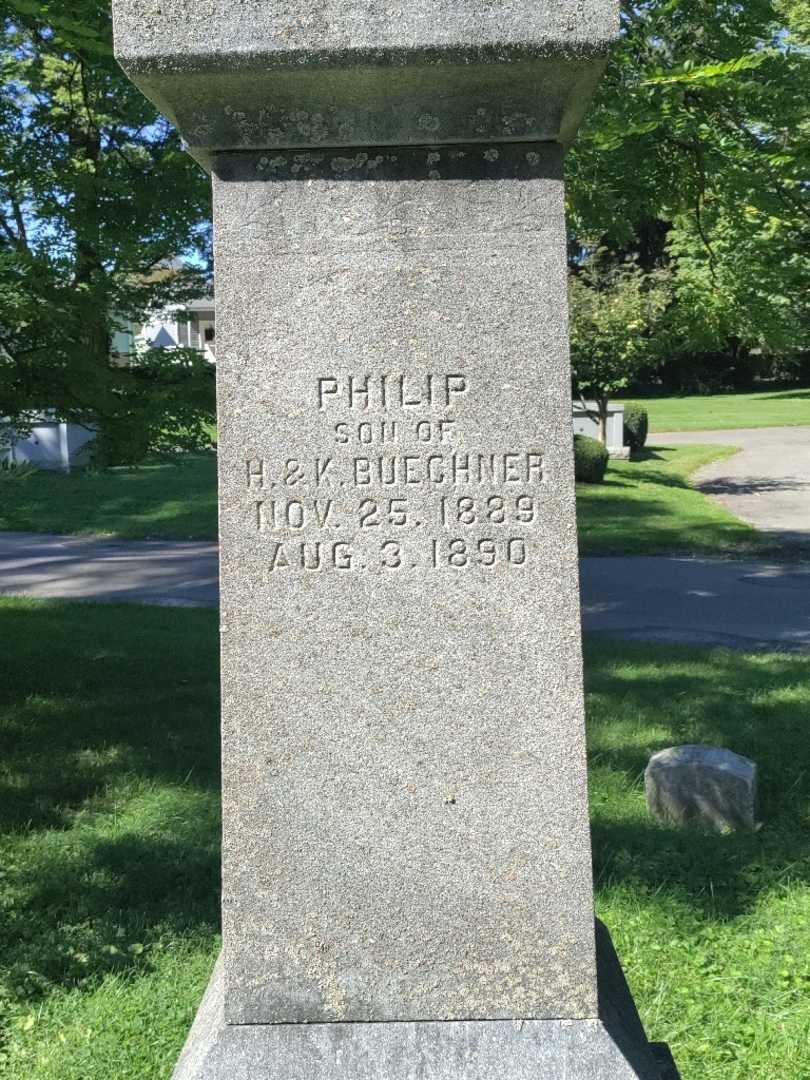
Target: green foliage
[(636, 426), (590, 459), (616, 327), (123, 440), (96, 198), (695, 156), (16, 470)]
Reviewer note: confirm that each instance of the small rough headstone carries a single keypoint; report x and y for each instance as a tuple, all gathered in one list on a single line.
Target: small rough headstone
[(407, 888), (705, 786)]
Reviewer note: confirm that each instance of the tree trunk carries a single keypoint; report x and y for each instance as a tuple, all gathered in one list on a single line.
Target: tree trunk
[(602, 404), (91, 313)]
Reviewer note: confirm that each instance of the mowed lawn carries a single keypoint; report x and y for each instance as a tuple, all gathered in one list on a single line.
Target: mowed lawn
[(158, 500), (718, 412), (109, 854), (649, 506)]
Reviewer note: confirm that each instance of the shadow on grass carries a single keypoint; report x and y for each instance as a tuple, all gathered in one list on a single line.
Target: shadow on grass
[(642, 698), (654, 477), (159, 500), (786, 395), (109, 788), (106, 906), (613, 525), (648, 453)]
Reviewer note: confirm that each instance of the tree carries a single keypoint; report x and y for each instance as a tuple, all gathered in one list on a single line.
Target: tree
[(616, 329), (96, 194), (695, 157)]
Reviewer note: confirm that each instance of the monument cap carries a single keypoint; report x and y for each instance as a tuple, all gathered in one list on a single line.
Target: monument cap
[(297, 74)]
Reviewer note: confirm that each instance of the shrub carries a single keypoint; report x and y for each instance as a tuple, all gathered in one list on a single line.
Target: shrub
[(636, 425), (121, 441), (590, 459)]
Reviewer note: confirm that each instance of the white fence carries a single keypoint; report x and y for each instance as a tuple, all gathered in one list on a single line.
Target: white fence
[(49, 445)]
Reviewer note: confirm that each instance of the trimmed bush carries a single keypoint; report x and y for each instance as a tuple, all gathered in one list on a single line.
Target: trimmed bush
[(590, 459), (636, 424)]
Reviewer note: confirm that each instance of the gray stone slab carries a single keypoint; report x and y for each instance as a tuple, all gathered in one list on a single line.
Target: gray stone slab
[(405, 821), (406, 863), (702, 785), (610, 1047), (272, 73)]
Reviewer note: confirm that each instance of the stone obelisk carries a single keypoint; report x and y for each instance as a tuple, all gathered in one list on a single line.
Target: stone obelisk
[(406, 863)]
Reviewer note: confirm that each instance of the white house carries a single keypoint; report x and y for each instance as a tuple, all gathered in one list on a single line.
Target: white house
[(180, 326)]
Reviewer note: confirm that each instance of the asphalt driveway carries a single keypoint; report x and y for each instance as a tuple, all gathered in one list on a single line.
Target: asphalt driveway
[(168, 573)]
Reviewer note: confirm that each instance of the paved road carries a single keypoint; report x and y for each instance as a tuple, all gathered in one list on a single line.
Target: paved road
[(709, 601), (741, 604), (84, 568), (767, 484)]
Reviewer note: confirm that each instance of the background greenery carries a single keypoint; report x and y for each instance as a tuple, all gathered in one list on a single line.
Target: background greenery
[(692, 166), (97, 202), (109, 850)]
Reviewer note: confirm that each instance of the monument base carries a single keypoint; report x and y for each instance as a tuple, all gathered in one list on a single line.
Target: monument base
[(612, 1047)]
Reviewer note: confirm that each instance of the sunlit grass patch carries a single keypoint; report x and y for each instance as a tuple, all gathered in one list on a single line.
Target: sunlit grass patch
[(649, 506)]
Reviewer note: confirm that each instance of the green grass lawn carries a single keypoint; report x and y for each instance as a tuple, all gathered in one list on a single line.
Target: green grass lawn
[(109, 860), (717, 412), (648, 506), (159, 500)]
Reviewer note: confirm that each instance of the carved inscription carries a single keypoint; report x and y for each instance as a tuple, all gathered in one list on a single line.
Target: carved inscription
[(397, 489)]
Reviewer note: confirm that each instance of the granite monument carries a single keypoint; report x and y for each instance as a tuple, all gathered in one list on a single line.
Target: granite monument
[(406, 863)]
